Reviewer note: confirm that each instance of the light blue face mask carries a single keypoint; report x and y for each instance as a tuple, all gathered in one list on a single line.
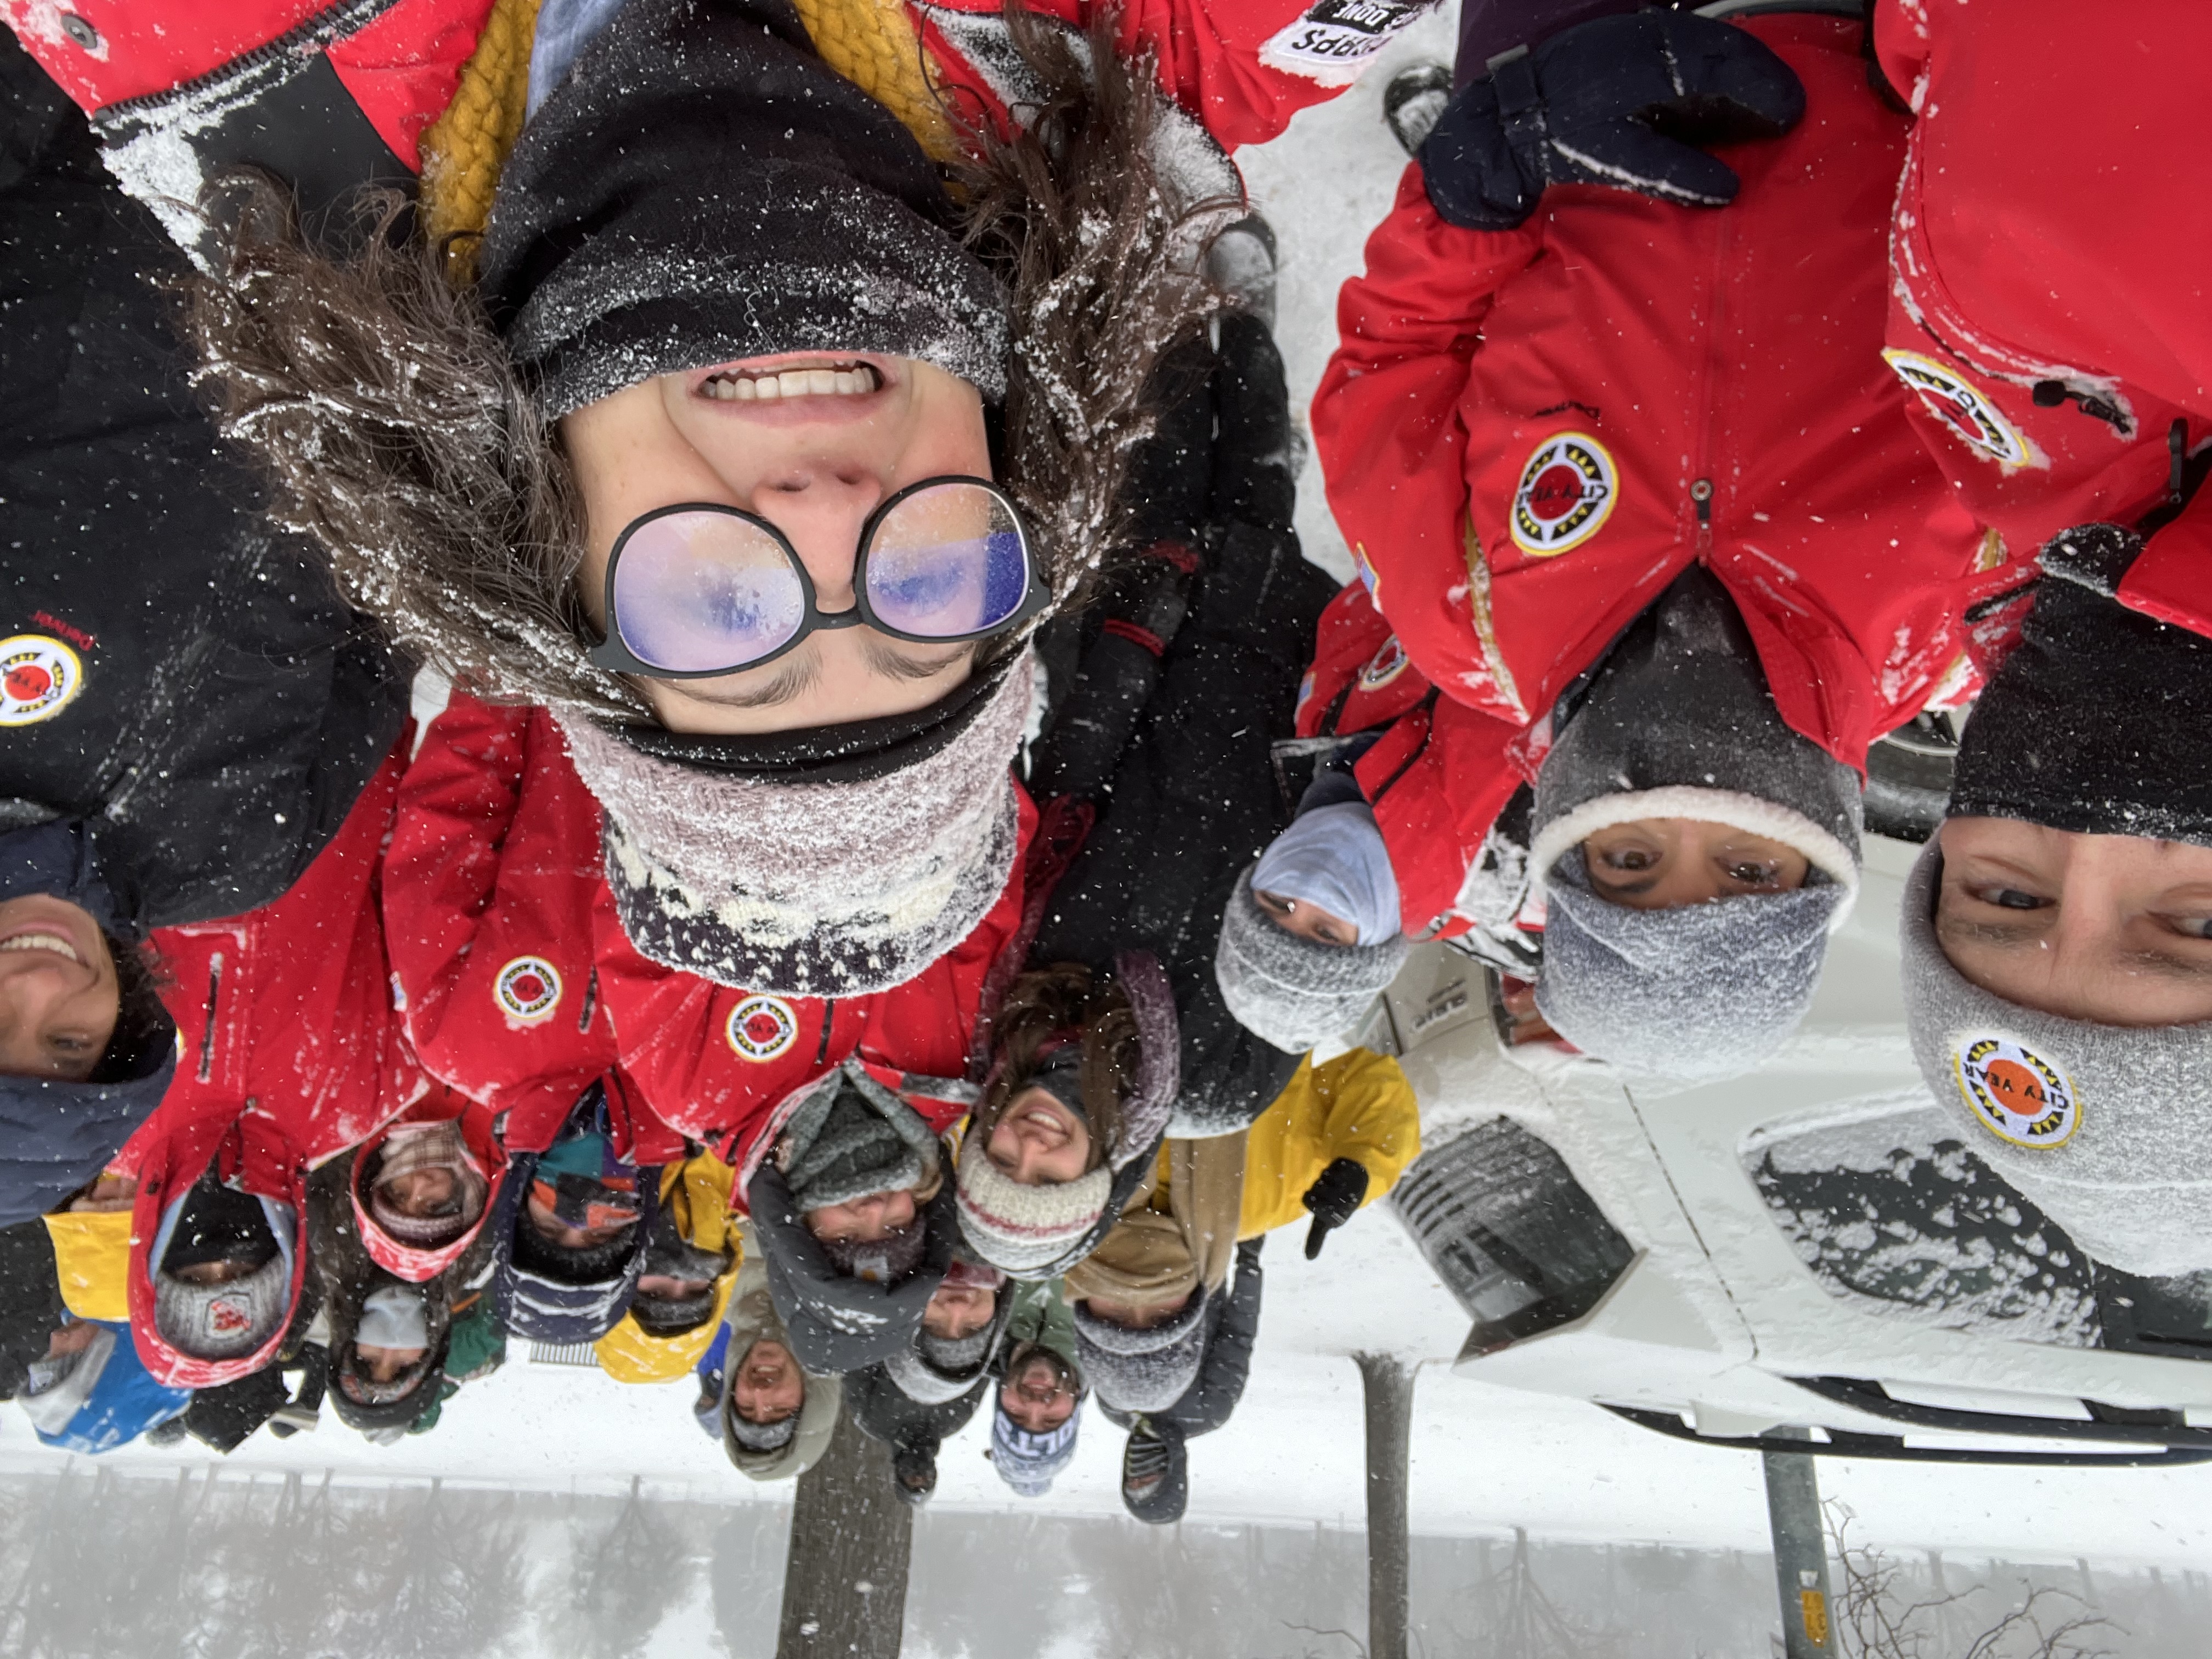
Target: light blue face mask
[(1334, 857)]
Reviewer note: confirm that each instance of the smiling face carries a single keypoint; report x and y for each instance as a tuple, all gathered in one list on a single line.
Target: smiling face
[(59, 994), (1656, 864), (2114, 929), (769, 1386), (1037, 1141), (813, 443)]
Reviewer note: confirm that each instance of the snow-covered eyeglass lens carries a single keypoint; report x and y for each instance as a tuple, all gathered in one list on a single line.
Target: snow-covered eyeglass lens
[(699, 589)]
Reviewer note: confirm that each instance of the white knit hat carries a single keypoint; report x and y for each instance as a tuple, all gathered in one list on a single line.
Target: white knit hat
[(1018, 1229)]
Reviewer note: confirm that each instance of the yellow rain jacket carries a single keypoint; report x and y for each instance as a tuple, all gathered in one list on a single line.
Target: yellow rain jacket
[(1358, 1106), (699, 1191), (92, 1259)]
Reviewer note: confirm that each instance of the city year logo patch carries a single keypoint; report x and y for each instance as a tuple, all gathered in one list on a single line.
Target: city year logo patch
[(38, 677), (528, 989), (227, 1318), (1335, 39), (1970, 417), (1384, 666), (1565, 495), (761, 1028), (2020, 1097)]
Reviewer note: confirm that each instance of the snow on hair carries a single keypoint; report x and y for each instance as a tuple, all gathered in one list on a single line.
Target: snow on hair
[(399, 434)]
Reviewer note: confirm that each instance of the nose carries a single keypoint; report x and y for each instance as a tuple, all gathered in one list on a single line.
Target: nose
[(821, 510)]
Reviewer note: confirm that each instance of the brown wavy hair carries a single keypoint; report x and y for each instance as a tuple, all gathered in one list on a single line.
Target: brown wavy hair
[(399, 433), (1045, 1004)]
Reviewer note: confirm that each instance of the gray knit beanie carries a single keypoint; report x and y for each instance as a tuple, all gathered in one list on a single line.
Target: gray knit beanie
[(1145, 1371), (227, 1321), (1292, 992), (853, 1137), (2108, 1128)]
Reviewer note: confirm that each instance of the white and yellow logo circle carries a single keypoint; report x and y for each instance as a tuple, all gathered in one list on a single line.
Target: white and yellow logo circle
[(528, 988), (1970, 417), (1565, 495), (39, 677), (2018, 1097), (1384, 666), (761, 1028)]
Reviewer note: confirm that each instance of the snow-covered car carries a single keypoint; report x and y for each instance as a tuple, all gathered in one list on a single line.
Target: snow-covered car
[(1809, 1247)]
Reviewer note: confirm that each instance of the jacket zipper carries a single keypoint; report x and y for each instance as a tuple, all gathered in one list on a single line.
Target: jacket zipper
[(1701, 487), (207, 1033)]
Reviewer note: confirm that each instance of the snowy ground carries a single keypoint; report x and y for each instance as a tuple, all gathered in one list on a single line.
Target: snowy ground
[(1485, 1460)]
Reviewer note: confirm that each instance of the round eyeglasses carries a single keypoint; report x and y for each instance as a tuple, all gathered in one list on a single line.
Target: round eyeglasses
[(699, 589)]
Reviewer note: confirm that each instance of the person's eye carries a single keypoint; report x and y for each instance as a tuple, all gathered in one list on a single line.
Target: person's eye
[(1751, 873), (2010, 898), (64, 1042), (1629, 858), (2190, 927)]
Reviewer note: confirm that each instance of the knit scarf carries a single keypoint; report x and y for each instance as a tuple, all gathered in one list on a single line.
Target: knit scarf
[(1153, 1256), (838, 887)]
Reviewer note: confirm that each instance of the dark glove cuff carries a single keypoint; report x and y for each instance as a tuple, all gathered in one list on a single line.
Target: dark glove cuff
[(2095, 557), (1469, 169)]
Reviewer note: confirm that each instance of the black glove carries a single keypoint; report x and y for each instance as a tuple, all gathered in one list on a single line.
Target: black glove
[(1334, 1198), (1619, 101)]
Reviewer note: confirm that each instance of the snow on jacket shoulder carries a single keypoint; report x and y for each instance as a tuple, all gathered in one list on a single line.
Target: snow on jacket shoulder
[(285, 1012), (488, 889), (2052, 306), (1526, 434), (1358, 1106), (326, 93), (1242, 67)]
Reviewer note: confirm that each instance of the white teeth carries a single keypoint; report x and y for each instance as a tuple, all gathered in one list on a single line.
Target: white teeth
[(856, 382), (53, 942)]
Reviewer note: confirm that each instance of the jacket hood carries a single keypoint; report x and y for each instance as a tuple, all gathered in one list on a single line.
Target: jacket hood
[(413, 1263), (753, 1317), (839, 1324), (696, 1195), (250, 1153)]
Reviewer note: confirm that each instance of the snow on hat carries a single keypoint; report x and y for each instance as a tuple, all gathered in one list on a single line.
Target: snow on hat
[(1029, 1463), (1145, 1371), (853, 1137), (1333, 856), (1018, 1229), (1293, 992), (2108, 1128), (1693, 992)]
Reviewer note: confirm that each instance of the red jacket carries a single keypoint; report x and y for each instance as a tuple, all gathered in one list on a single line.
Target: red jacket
[(521, 989), (1528, 434), (287, 1011), (292, 1053), (1243, 67), (2053, 230), (401, 68)]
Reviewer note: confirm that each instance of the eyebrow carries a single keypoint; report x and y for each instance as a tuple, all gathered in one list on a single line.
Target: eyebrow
[(886, 658), (793, 679), (2166, 965), (1957, 930)]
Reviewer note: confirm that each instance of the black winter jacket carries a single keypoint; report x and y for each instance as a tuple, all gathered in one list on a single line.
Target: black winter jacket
[(1233, 1324), (1173, 746), (173, 670)]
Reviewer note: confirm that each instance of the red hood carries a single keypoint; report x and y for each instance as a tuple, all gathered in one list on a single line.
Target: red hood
[(414, 1264), (251, 1151)]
